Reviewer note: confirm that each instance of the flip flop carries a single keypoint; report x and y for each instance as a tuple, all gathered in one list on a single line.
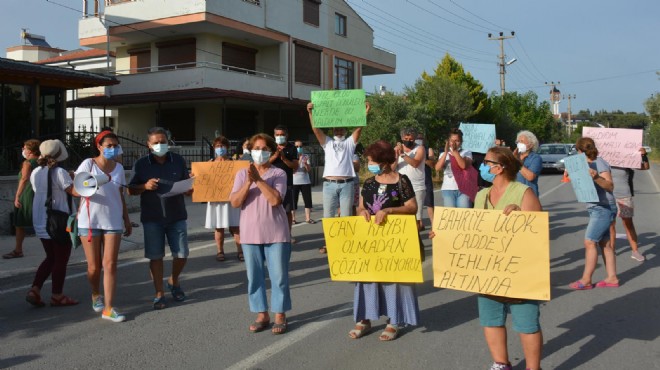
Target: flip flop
[(578, 285), (159, 303), (63, 301), (259, 326), (177, 292), (605, 284), (279, 328), (310, 221), (12, 254)]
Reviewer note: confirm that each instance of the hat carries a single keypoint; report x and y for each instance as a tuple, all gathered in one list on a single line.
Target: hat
[(55, 149)]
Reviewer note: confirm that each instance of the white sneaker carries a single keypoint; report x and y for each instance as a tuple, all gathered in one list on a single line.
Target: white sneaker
[(98, 304), (637, 256), (114, 316)]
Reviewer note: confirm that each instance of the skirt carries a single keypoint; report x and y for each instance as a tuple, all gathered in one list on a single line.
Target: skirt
[(221, 215), (398, 302)]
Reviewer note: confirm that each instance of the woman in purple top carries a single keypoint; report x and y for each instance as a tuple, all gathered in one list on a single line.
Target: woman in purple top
[(258, 191)]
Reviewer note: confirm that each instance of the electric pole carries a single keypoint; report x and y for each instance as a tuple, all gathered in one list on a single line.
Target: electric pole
[(502, 64)]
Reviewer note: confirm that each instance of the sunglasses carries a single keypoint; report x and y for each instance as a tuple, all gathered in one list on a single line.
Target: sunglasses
[(486, 161)]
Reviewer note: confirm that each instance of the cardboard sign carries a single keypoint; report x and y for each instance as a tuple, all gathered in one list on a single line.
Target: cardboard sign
[(339, 108), (363, 251), (618, 146), (478, 137), (214, 180), (484, 251), (582, 182)]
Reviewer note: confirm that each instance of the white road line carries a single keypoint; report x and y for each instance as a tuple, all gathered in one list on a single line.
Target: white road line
[(551, 190), (654, 182)]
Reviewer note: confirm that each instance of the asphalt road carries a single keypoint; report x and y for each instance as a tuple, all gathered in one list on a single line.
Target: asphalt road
[(595, 329)]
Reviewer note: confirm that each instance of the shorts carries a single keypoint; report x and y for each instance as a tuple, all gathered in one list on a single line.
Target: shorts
[(287, 202), (525, 316), (97, 232), (625, 206), (154, 239), (419, 197), (429, 200), (600, 218)]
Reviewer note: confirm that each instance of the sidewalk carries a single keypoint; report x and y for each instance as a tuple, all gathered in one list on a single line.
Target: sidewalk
[(33, 251)]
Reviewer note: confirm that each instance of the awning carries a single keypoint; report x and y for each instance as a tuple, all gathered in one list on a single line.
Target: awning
[(26, 73)]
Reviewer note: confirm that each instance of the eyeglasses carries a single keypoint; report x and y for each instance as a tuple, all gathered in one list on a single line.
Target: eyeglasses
[(486, 161)]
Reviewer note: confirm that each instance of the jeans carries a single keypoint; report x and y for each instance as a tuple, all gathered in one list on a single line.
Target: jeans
[(154, 239), (455, 199), (277, 256), (337, 196)]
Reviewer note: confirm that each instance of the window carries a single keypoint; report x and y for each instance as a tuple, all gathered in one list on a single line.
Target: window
[(344, 74), (140, 60), (311, 12), (340, 24), (180, 122), (244, 58), (176, 54), (308, 65)]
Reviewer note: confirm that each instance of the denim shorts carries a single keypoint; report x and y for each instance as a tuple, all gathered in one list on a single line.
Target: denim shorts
[(154, 239), (97, 232), (600, 218), (525, 315)]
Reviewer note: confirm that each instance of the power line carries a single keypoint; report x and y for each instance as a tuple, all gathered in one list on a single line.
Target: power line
[(458, 16), (443, 18), (485, 20)]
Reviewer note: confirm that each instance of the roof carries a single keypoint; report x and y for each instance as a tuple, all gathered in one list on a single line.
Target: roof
[(76, 55), (19, 72), (178, 95)]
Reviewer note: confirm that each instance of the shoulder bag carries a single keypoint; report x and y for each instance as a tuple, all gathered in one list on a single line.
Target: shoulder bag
[(56, 221)]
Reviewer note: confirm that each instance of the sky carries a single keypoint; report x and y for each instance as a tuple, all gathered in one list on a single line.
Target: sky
[(603, 52)]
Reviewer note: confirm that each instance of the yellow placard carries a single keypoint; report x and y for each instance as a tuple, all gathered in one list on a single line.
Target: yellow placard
[(484, 251), (214, 180), (363, 251)]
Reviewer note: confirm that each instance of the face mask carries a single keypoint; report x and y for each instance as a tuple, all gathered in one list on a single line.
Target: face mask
[(409, 144), (109, 153), (419, 142), (280, 139), (221, 151), (259, 156), (375, 169), (300, 151), (159, 149), (484, 171), (24, 153), (339, 138), (246, 151), (522, 148)]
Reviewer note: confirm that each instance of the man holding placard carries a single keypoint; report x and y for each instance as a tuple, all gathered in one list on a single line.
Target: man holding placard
[(338, 173)]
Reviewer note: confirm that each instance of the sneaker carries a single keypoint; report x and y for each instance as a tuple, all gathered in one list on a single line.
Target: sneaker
[(637, 256), (113, 316), (97, 304), (500, 366)]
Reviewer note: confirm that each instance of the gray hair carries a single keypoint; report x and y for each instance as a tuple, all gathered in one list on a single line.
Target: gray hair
[(408, 131), (533, 141), (157, 130)]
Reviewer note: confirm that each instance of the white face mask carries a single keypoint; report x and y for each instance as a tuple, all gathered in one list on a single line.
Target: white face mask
[(25, 154), (339, 138), (246, 151), (522, 148), (280, 139), (260, 156), (419, 142), (159, 149)]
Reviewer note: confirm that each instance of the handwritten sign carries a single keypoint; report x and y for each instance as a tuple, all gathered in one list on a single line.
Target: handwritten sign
[(618, 146), (484, 251), (363, 251), (582, 182), (478, 137), (214, 180), (339, 108)]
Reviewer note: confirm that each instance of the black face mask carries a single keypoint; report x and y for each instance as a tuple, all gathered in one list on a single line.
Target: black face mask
[(409, 143)]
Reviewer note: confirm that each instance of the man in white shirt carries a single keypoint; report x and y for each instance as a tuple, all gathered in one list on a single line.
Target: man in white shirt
[(411, 161)]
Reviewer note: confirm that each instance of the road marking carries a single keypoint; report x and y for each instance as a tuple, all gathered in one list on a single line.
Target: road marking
[(654, 182), (551, 190)]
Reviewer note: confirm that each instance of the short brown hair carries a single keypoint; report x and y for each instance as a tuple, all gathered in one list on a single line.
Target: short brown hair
[(33, 146), (381, 152), (270, 142), (221, 140), (587, 146), (456, 131), (510, 165)]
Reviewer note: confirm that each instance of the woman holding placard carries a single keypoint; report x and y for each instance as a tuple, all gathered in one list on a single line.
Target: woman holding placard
[(602, 215), (221, 215), (386, 193)]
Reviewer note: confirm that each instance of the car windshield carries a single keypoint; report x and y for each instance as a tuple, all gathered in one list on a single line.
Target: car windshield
[(552, 149)]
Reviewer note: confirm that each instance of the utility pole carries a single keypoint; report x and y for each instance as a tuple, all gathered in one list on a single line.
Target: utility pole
[(569, 128), (502, 64)]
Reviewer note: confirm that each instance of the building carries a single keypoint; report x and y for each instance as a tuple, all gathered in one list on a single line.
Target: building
[(233, 67)]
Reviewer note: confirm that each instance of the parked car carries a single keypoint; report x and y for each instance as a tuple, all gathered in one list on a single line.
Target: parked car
[(552, 155)]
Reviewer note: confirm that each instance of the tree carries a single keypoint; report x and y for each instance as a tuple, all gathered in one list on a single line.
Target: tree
[(652, 106), (389, 113), (514, 112)]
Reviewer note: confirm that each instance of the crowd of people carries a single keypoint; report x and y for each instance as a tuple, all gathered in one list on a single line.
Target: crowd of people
[(266, 194)]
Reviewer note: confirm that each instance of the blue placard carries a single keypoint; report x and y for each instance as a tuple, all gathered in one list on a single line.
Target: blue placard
[(582, 182), (478, 137)]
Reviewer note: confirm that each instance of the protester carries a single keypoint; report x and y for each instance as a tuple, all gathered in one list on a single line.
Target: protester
[(259, 191), (245, 156), (102, 219), (459, 183), (395, 194), (302, 184), (623, 194), (221, 215), (57, 254), (602, 214), (532, 165), (286, 159), (500, 167), (24, 195), (338, 173), (154, 175), (429, 164), (411, 159)]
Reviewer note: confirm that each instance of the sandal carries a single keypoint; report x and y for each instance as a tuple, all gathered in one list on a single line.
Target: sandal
[(240, 256), (310, 221), (12, 254), (279, 328), (62, 301), (259, 326), (361, 329), (177, 292), (323, 250), (159, 303), (34, 298), (389, 335), (578, 285), (220, 257)]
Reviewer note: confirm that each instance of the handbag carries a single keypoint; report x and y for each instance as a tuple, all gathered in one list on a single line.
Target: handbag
[(72, 229), (56, 221)]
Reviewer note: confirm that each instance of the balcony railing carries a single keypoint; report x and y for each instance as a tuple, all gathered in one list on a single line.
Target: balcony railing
[(211, 65)]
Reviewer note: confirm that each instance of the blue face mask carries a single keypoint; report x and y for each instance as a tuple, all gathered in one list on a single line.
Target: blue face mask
[(300, 151), (221, 151), (109, 153), (484, 171), (375, 169)]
